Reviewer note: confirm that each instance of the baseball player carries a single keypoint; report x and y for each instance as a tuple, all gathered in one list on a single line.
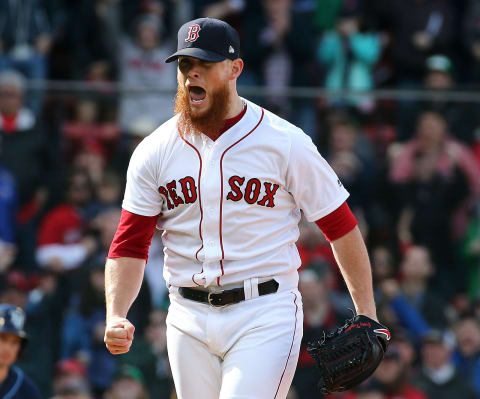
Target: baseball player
[(14, 384), (226, 180)]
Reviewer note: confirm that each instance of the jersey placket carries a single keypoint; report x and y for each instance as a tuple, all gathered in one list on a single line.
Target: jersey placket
[(211, 192)]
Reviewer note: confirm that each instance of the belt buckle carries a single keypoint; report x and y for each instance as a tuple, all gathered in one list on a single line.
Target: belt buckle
[(209, 299)]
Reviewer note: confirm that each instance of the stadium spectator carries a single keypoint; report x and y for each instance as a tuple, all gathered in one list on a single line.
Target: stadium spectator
[(88, 132), (434, 176), (91, 160), (143, 68), (62, 243), (407, 352), (440, 78), (466, 357), (416, 269), (352, 158), (108, 193), (350, 52), (439, 378), (129, 383), (279, 52), (383, 265), (71, 379), (13, 381), (25, 42)]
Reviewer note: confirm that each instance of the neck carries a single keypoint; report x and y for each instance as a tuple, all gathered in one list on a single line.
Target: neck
[(3, 373), (235, 105)]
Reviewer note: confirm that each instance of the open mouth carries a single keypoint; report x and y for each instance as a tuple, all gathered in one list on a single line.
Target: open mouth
[(197, 94)]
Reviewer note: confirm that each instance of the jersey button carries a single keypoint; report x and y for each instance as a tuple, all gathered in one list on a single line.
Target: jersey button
[(211, 243)]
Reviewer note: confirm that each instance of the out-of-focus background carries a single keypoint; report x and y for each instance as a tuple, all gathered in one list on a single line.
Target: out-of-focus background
[(387, 89)]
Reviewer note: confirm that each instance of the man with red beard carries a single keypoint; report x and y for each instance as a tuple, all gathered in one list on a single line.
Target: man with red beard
[(226, 180)]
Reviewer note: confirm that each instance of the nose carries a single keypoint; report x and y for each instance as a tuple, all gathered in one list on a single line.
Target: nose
[(193, 72)]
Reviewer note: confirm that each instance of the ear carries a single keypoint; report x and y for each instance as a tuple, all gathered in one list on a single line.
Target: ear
[(236, 68)]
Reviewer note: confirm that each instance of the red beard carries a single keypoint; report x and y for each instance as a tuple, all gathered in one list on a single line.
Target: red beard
[(209, 122)]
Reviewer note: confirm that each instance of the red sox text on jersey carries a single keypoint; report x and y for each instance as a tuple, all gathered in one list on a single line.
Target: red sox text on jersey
[(251, 191)]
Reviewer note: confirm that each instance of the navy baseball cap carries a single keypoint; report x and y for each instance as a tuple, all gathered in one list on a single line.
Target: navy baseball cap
[(207, 39)]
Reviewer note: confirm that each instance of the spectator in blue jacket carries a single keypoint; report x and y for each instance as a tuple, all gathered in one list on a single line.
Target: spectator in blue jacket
[(350, 52), (8, 207), (467, 355)]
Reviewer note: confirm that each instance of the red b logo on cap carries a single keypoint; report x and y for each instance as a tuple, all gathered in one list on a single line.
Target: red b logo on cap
[(192, 33)]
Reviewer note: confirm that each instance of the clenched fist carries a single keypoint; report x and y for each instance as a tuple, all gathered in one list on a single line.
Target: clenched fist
[(118, 335)]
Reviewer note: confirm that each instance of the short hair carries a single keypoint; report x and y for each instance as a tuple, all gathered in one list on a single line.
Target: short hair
[(11, 78)]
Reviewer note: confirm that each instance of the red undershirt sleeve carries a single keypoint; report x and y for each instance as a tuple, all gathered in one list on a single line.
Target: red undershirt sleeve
[(133, 236), (337, 223)]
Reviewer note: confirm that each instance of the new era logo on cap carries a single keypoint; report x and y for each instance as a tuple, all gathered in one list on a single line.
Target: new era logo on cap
[(207, 39)]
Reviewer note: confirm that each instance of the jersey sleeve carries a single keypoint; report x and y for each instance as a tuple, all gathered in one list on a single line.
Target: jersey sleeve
[(141, 191), (315, 187)]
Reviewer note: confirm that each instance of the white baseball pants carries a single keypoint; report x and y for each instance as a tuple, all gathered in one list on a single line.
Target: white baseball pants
[(248, 350)]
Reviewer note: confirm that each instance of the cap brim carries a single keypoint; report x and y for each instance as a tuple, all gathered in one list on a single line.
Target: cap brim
[(199, 53)]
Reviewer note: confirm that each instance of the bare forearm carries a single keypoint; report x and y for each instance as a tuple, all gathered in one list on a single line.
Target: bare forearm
[(123, 279), (352, 258)]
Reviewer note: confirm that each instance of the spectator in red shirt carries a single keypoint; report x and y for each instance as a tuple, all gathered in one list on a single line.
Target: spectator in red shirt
[(87, 132), (62, 244)]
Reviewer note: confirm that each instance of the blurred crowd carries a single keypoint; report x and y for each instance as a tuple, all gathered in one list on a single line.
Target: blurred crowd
[(412, 166)]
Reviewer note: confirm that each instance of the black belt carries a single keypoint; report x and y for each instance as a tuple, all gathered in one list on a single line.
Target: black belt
[(227, 297)]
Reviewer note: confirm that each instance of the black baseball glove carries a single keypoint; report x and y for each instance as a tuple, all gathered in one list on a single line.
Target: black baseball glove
[(349, 354)]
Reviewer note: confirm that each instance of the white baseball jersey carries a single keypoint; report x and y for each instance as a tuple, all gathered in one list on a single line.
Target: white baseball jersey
[(230, 208)]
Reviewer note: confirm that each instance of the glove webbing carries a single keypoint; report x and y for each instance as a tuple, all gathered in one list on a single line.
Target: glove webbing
[(344, 363)]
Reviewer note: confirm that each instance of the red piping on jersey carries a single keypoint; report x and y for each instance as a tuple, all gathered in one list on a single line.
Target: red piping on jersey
[(221, 189), (291, 346), (200, 204)]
